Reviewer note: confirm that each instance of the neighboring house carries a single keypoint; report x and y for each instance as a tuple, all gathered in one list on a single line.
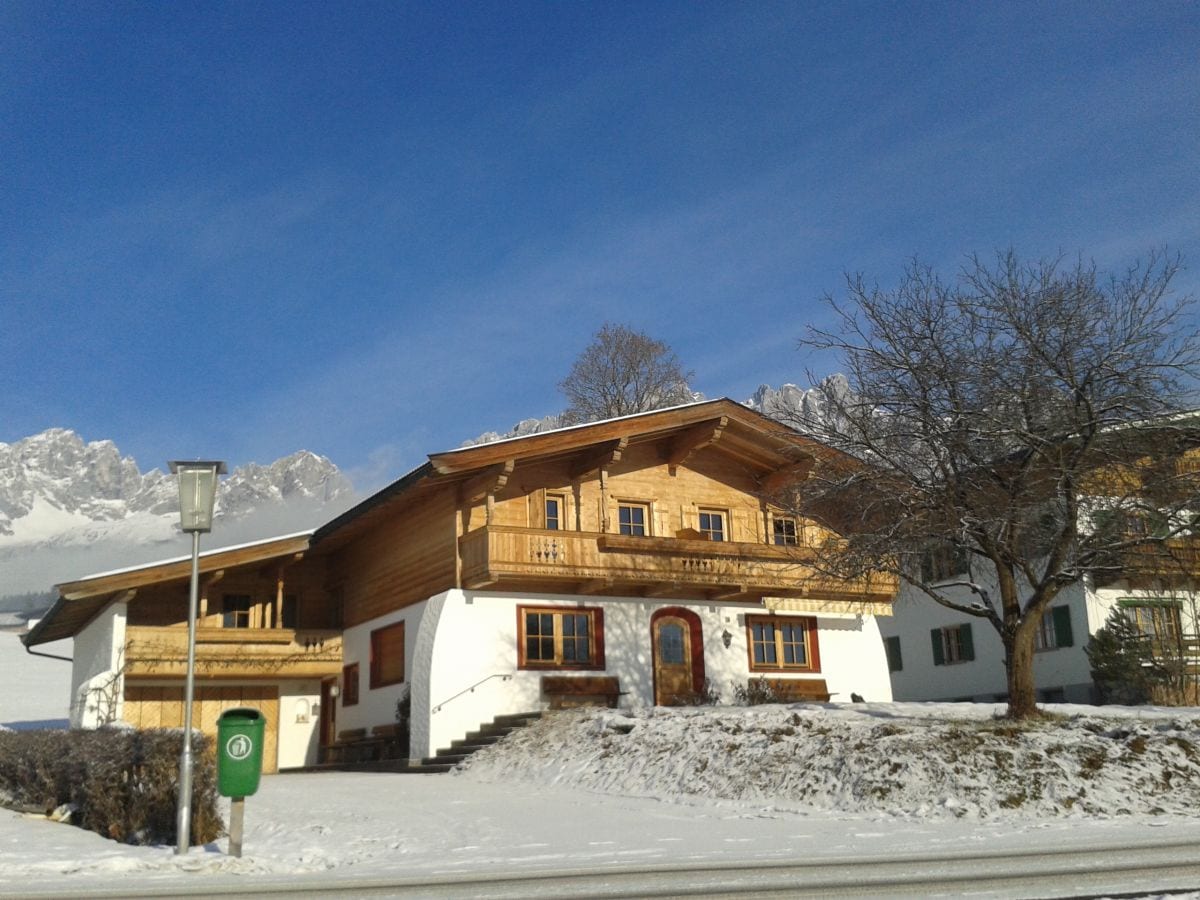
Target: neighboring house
[(935, 653), (633, 560)]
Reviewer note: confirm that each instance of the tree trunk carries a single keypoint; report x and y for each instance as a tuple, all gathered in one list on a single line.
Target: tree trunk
[(1018, 660)]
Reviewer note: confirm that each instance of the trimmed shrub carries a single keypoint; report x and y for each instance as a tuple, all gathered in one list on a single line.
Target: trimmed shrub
[(119, 783), (756, 692)]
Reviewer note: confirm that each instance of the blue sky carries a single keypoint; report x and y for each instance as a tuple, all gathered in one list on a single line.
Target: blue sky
[(375, 230)]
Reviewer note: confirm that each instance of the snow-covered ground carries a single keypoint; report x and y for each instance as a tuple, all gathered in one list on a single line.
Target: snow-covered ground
[(602, 788)]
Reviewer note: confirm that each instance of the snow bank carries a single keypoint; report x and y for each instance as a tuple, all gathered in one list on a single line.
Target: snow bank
[(899, 759)]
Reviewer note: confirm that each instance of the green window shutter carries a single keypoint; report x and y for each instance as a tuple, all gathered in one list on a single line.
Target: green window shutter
[(1063, 637), (894, 659), (939, 656), (964, 638)]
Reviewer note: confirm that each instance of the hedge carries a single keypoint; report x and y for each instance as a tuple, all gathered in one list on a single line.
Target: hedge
[(118, 782)]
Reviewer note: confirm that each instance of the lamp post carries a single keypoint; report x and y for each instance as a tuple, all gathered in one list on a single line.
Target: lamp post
[(197, 496)]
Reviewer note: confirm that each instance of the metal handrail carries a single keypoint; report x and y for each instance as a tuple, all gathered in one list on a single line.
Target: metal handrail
[(503, 676)]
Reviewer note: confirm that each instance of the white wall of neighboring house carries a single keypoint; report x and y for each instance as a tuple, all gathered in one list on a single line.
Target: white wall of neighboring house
[(984, 678), (461, 659), (97, 684), (1102, 601)]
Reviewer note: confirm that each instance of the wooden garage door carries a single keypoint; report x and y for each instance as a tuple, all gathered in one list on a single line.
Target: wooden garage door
[(149, 706)]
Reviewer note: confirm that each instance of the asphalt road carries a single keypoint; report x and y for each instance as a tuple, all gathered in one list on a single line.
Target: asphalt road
[(1094, 872)]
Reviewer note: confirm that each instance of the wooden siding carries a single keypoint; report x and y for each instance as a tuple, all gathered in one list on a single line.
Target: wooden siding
[(228, 653), (159, 706), (710, 480), (406, 558)]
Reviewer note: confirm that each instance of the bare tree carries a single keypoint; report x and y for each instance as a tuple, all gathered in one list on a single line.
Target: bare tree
[(1024, 422), (620, 372)]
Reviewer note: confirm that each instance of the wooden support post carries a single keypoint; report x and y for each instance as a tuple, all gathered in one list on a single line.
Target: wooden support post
[(237, 812), (604, 500)]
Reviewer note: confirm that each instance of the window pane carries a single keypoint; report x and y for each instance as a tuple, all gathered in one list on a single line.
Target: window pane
[(632, 520), (712, 525), (583, 651), (670, 643), (552, 513), (547, 624), (785, 532), (568, 625), (546, 649)]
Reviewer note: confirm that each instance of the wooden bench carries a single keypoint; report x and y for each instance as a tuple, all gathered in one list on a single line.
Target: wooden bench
[(798, 690), (354, 745), (566, 691)]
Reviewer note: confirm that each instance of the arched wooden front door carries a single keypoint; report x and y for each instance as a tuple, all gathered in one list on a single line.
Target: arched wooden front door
[(678, 656)]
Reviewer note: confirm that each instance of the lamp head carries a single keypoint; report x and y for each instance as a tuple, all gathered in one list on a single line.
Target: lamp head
[(197, 492)]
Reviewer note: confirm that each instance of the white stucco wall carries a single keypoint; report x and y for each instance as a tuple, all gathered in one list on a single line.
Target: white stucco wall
[(378, 706), (299, 718), (982, 679), (461, 659), (97, 685)]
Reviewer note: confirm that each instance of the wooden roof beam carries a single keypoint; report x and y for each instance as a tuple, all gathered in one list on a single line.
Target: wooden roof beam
[(788, 475), (599, 457), (487, 482), (728, 593), (595, 586), (662, 590), (695, 438)]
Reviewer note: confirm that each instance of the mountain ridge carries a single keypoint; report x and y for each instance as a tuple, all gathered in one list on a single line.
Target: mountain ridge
[(70, 506)]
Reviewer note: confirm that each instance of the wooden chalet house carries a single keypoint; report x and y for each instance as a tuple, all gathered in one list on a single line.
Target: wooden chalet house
[(631, 561)]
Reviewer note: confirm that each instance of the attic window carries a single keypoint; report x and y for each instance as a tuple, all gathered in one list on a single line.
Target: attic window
[(555, 505), (632, 518), (712, 524), (785, 532)]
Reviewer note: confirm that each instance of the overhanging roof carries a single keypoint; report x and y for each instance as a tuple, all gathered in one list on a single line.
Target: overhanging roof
[(764, 444), (79, 601)]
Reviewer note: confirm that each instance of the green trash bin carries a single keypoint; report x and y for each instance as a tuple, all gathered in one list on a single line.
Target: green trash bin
[(239, 751)]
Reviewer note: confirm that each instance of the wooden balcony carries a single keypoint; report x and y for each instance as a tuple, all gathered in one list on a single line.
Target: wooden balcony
[(1173, 558), (228, 653), (592, 563)]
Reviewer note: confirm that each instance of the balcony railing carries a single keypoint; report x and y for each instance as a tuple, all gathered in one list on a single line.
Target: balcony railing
[(611, 563), (233, 652)]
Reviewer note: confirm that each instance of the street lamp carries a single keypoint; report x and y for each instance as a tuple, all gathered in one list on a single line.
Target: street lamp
[(197, 496)]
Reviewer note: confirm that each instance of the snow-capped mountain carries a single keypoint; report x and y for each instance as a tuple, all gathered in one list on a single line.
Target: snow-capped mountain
[(796, 406), (69, 507), (790, 404)]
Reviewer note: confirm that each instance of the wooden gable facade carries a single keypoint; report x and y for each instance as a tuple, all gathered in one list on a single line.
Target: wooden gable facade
[(667, 504)]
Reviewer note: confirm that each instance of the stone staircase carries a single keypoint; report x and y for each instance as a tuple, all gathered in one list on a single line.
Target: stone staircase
[(449, 757), (445, 759)]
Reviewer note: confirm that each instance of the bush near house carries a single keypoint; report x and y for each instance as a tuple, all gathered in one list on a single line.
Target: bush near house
[(118, 783)]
